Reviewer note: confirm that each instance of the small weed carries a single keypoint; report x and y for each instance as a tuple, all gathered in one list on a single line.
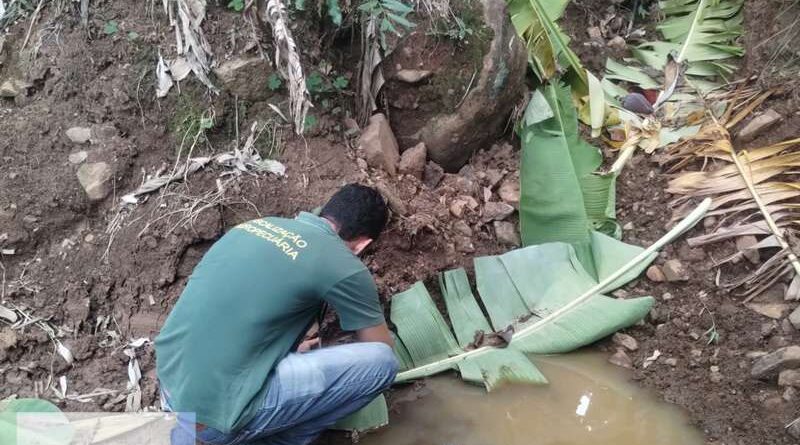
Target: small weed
[(340, 83), (456, 30), (236, 5), (310, 122), (314, 83), (111, 27), (274, 82), (711, 333), (391, 16), (191, 121), (133, 35)]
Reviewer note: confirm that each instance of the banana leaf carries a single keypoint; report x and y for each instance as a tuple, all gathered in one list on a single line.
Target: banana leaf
[(563, 197)]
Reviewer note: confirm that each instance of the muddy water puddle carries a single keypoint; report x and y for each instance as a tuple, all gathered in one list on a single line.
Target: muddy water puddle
[(588, 401)]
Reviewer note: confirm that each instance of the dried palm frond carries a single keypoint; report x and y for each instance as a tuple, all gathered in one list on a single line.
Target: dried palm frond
[(190, 40), (287, 60)]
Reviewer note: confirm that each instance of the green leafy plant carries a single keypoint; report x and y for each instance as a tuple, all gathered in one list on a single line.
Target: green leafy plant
[(391, 15), (315, 83), (236, 5), (310, 122), (454, 29), (111, 27), (340, 83), (274, 82), (133, 35), (334, 12)]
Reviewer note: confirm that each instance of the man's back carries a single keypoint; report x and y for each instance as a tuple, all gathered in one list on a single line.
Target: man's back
[(247, 303)]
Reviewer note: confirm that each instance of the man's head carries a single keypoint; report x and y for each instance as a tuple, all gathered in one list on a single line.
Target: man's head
[(358, 214)]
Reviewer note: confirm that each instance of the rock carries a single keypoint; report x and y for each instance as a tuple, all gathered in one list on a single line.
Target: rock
[(745, 245), (462, 202), (451, 121), (595, 33), (412, 76), (493, 177), (462, 228), (379, 144), (497, 211), (667, 296), (464, 244), (773, 363), (674, 271), (654, 273), (509, 191), (79, 135), (13, 87), (506, 233), (8, 339), (672, 361), (95, 178), (626, 341), (794, 318), (395, 203), (617, 43), (789, 377), (758, 125), (772, 310), (789, 394), (78, 157), (620, 358), (715, 376), (246, 77), (433, 174), (412, 161)]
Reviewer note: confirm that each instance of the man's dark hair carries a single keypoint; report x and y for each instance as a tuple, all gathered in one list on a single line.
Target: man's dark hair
[(357, 210)]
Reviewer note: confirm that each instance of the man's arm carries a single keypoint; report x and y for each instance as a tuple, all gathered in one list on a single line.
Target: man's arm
[(379, 333)]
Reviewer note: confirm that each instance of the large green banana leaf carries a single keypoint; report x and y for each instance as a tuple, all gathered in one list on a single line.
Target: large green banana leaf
[(563, 196)]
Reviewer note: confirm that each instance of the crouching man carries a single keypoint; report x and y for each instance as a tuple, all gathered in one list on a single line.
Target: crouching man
[(232, 352)]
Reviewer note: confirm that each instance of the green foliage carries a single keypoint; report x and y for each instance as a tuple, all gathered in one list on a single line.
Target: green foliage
[(455, 29), (391, 15), (274, 82), (236, 5), (314, 83), (334, 12), (133, 35), (300, 5), (340, 83), (310, 122), (111, 27)]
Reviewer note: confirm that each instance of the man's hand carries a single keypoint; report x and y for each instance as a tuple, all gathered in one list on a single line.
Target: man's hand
[(308, 344), (379, 333)]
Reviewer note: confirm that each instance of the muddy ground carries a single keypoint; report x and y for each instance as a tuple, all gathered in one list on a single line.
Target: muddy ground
[(105, 274)]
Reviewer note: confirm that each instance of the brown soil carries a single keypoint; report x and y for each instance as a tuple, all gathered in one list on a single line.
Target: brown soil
[(68, 269)]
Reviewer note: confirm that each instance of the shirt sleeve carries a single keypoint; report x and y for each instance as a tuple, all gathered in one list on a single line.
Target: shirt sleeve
[(355, 299)]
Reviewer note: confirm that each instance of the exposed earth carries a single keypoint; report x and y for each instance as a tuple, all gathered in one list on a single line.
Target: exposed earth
[(105, 273)]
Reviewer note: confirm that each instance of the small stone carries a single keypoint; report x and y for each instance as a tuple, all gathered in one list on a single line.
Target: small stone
[(694, 335), (79, 135), (8, 339), (95, 178), (674, 271), (462, 228), (497, 211), (626, 341), (89, 238), (714, 368), (13, 88), (667, 296), (78, 157), (617, 43), (595, 33), (755, 354), (628, 226), (716, 377), (412, 76), (672, 361), (412, 161), (509, 191), (246, 77), (775, 311), (493, 177), (433, 174), (395, 203), (621, 359), (655, 274), (379, 144), (362, 164), (464, 244), (773, 363), (789, 394), (746, 244), (758, 125), (789, 377), (621, 294), (506, 233)]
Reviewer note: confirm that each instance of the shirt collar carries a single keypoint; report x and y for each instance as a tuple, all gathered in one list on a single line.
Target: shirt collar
[(316, 221)]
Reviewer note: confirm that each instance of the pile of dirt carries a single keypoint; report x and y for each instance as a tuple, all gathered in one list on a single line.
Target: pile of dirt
[(104, 273)]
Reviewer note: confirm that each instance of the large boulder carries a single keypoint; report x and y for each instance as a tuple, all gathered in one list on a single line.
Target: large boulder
[(246, 77), (469, 86)]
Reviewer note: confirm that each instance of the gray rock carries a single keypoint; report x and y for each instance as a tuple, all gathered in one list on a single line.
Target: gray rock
[(462, 228), (395, 203), (497, 211), (412, 161), (672, 361), (464, 244), (654, 273), (617, 43), (775, 311), (95, 178), (758, 125), (620, 358), (595, 33), (506, 233), (768, 366), (79, 135), (13, 87), (433, 174), (412, 76), (626, 341), (509, 191), (379, 145), (246, 77), (674, 271), (461, 203), (78, 157), (789, 377)]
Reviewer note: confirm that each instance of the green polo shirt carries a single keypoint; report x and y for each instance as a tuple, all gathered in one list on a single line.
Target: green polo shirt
[(248, 301)]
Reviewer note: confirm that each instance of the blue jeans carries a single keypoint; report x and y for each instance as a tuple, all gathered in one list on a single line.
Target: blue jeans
[(306, 394)]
